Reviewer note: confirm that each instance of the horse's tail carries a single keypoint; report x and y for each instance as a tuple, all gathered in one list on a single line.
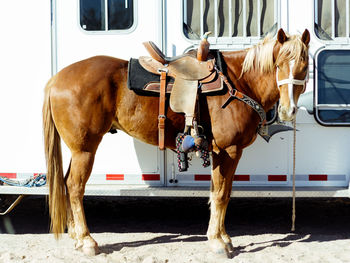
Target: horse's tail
[(53, 154)]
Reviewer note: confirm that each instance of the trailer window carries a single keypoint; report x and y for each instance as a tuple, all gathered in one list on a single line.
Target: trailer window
[(332, 95), (106, 15), (230, 18), (271, 115), (332, 19)]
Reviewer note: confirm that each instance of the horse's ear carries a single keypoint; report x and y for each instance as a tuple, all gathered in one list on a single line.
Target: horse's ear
[(306, 37), (281, 36)]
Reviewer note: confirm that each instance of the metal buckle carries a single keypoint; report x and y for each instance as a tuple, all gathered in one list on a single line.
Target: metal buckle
[(160, 70)]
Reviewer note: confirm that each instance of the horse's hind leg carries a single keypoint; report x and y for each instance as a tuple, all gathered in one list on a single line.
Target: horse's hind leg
[(70, 219), (81, 166), (224, 166)]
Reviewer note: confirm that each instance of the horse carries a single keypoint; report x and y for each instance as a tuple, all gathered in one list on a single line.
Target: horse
[(87, 99)]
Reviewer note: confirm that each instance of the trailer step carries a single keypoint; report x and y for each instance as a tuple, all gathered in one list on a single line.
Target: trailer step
[(142, 190)]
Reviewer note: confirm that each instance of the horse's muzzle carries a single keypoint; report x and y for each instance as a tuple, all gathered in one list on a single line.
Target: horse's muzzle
[(287, 113)]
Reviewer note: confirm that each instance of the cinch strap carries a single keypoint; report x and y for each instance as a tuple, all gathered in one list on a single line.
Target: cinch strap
[(161, 116)]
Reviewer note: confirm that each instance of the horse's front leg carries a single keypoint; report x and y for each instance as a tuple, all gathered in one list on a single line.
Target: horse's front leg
[(224, 166)]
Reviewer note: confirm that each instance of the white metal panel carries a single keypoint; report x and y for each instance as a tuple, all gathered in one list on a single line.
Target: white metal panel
[(75, 44), (118, 153), (25, 68), (241, 192), (260, 158), (323, 150), (123, 162)]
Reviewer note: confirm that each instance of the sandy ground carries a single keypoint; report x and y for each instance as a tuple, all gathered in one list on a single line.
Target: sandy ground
[(154, 230)]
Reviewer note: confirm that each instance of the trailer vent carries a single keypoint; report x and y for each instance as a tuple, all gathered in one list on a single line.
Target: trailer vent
[(230, 18)]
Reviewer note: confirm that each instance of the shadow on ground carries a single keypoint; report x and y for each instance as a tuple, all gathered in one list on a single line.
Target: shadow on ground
[(317, 219)]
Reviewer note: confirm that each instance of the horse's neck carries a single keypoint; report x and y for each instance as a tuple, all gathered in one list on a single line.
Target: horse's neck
[(259, 86)]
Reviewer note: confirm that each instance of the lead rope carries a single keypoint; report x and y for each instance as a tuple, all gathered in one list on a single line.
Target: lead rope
[(294, 143)]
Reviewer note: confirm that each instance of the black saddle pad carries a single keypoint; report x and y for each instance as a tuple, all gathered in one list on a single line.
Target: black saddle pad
[(138, 77)]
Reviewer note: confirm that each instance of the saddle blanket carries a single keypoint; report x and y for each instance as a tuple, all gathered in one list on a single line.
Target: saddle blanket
[(139, 78), (144, 82)]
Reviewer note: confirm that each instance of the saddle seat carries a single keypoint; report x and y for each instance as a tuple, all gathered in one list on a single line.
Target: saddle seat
[(185, 66)]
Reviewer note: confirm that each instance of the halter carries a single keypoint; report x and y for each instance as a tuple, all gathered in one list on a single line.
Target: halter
[(291, 81)]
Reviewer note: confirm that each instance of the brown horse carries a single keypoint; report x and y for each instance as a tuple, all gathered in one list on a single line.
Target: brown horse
[(86, 99)]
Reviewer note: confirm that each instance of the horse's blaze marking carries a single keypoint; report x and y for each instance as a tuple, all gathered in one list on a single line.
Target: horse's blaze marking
[(318, 177), (116, 177), (241, 177), (150, 177), (277, 178), (9, 175), (202, 177)]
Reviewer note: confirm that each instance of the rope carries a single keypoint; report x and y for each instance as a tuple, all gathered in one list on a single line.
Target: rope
[(35, 181), (294, 143)]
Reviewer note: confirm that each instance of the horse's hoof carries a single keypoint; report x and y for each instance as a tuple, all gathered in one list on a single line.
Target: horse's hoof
[(88, 246), (219, 248), (71, 234), (90, 251), (230, 247), (78, 245)]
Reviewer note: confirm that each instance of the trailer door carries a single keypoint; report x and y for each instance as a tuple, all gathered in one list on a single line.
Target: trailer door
[(85, 28), (231, 30)]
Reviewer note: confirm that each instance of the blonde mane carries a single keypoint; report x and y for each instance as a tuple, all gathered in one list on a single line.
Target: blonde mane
[(260, 56)]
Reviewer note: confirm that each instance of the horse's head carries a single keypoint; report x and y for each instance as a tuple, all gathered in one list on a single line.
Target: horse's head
[(292, 64)]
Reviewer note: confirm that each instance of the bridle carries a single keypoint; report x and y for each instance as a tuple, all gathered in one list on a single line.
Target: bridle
[(291, 81)]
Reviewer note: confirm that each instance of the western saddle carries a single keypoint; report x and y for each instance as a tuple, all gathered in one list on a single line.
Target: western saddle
[(189, 72)]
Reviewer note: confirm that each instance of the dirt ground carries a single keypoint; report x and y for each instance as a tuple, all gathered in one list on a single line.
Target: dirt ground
[(154, 230)]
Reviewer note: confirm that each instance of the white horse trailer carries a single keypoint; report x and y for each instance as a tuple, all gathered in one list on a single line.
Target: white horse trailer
[(39, 38)]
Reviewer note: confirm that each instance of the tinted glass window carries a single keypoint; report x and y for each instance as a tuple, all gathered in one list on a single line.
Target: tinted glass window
[(334, 77), (117, 15), (333, 86), (334, 116), (120, 15), (92, 14)]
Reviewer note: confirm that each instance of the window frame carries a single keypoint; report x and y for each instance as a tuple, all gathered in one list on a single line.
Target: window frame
[(111, 31), (330, 106), (240, 41), (275, 116)]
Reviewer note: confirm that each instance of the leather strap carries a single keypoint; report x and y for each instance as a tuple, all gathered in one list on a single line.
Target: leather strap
[(161, 116), (235, 94)]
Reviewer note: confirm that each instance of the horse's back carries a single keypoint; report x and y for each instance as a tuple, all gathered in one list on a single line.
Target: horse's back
[(91, 70)]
